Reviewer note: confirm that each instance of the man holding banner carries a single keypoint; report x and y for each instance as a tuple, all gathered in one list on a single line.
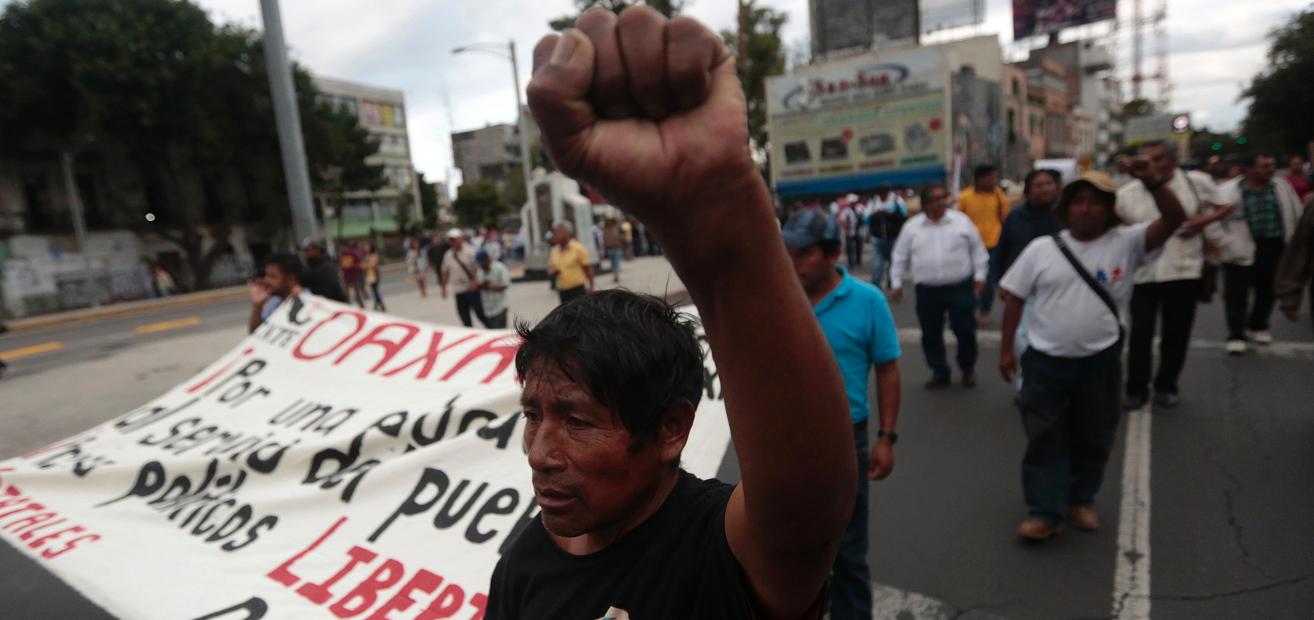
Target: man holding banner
[(649, 111)]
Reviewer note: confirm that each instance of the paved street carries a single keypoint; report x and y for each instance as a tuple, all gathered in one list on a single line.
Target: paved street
[(1224, 518)]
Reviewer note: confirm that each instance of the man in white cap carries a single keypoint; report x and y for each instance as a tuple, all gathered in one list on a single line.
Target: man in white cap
[(1081, 281), (458, 272)]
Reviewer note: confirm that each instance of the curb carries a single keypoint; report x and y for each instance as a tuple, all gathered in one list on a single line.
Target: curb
[(143, 306)]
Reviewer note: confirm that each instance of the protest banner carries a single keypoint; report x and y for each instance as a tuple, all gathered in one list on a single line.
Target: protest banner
[(336, 463)]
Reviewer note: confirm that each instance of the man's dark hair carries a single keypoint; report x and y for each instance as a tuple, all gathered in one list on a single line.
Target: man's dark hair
[(1167, 147), (983, 170), (287, 263), (1251, 158), (925, 194), (633, 353), (1065, 202), (1031, 176)]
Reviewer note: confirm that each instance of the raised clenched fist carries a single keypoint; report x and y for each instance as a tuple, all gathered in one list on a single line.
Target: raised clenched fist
[(646, 109)]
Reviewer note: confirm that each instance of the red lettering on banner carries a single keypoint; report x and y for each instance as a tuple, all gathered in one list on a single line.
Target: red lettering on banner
[(283, 573), (374, 338), (430, 358), (226, 367), (368, 591), (502, 347), (299, 351), (23, 517)]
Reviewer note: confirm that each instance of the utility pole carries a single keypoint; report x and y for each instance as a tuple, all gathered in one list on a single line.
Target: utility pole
[(288, 120), (525, 163), (79, 225)]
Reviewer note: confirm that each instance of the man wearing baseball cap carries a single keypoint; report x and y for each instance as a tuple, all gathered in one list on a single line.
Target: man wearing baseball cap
[(858, 324), (458, 272), (1081, 283)]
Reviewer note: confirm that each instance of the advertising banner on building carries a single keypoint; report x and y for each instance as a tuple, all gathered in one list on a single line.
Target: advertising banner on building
[(336, 464), (1037, 17), (860, 122)]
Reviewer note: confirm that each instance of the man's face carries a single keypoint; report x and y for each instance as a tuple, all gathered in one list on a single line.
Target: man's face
[(277, 282), (588, 475), (987, 181), (1088, 214), (560, 235), (313, 251), (936, 203), (1161, 160), (1044, 191), (1296, 166), (457, 242), (812, 266), (1262, 170)]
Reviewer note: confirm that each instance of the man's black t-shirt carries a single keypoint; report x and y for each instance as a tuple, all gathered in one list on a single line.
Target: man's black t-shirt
[(676, 564), (321, 278)]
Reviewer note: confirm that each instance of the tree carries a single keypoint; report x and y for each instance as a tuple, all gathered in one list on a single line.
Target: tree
[(1138, 107), (186, 103), (1282, 97), (763, 55), (428, 202), (669, 8), (478, 203)]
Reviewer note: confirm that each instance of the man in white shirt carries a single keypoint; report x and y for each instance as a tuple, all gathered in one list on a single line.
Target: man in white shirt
[(458, 272), (852, 216), (1069, 401), (493, 279), (942, 250), (1169, 285)]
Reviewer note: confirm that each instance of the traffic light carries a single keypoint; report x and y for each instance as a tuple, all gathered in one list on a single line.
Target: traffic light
[(1241, 140), (1217, 146)]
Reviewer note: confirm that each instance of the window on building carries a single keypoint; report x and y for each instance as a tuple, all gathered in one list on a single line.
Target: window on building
[(1017, 87), (400, 117), (92, 210), (1012, 125)]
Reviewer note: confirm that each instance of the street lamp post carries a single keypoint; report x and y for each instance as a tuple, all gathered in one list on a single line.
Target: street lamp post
[(533, 237), (288, 121)]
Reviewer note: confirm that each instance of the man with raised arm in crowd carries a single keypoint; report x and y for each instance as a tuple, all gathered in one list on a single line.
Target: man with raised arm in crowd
[(1081, 282), (858, 324), (649, 111), (282, 279), (1167, 288), (942, 251)]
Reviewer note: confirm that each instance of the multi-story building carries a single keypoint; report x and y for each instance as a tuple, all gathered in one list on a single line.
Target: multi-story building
[(1094, 96), (1049, 109), (1017, 134), (486, 153), (382, 112), (846, 27)]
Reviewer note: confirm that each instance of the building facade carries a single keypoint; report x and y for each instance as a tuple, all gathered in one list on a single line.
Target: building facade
[(382, 112)]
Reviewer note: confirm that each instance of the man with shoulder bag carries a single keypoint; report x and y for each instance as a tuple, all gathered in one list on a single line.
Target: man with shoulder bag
[(1081, 282)]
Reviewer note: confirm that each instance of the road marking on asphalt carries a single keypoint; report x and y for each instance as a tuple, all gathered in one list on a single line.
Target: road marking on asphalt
[(35, 349), (1131, 577), (151, 328)]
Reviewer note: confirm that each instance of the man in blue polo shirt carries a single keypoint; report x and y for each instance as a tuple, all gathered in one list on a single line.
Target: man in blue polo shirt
[(857, 322)]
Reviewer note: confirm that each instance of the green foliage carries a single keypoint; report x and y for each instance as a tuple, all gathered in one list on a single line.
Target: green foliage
[(669, 8), (1138, 107), (428, 202), (478, 203), (763, 55), (1282, 97), (155, 82)]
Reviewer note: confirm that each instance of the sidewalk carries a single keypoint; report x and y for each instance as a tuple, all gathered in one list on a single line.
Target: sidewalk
[(142, 306)]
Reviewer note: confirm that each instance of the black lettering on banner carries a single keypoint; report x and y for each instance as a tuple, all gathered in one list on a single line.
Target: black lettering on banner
[(261, 455), (312, 417), (212, 494), (459, 505), (255, 608), (140, 418), (330, 467), (74, 455)]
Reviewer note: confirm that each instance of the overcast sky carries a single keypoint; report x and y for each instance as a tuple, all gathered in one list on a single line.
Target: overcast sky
[(1216, 46)]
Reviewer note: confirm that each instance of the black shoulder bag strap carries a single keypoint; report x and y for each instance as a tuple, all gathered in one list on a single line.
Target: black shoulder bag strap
[(1099, 290)]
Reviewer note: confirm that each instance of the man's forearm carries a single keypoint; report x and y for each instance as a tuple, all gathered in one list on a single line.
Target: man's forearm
[(253, 320), (888, 395), (1012, 317), (776, 369)]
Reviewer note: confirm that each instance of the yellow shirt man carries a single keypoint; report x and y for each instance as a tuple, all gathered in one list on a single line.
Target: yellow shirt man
[(987, 210), (570, 265)]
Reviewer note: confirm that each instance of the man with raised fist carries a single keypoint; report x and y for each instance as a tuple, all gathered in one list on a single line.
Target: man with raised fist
[(648, 111)]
